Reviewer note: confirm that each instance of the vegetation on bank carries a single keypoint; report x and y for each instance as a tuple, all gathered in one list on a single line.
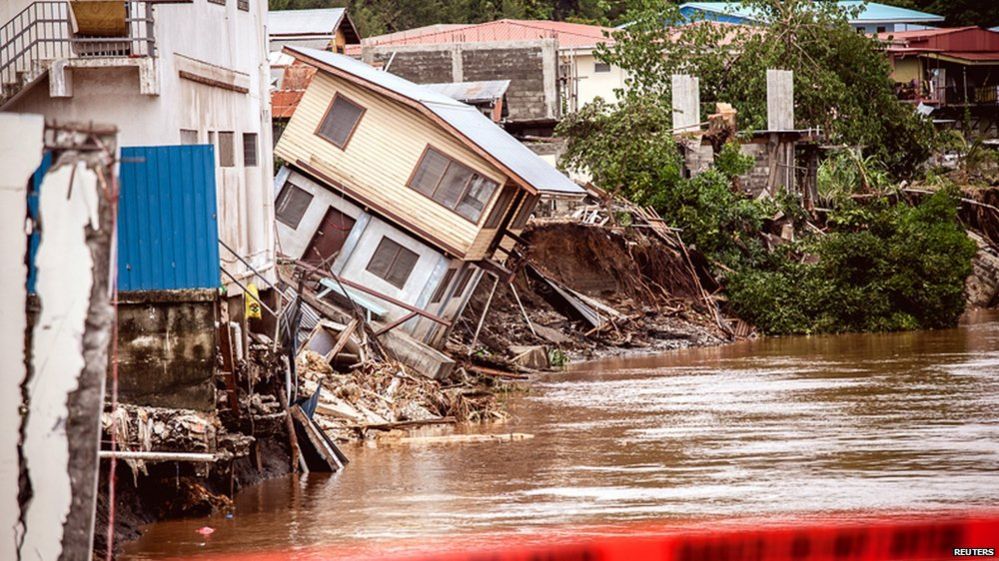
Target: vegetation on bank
[(873, 259)]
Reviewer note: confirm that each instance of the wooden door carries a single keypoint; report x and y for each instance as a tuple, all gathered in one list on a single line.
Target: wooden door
[(329, 238)]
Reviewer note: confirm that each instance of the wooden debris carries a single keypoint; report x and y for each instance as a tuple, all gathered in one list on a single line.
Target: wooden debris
[(462, 438)]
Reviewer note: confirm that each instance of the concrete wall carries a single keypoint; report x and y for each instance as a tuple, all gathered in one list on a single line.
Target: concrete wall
[(217, 42), (531, 67), (166, 348), (591, 84), (20, 154)]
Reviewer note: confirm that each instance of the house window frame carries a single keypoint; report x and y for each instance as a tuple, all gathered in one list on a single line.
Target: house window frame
[(231, 135), (285, 192), (353, 128), (601, 67), (464, 190), (256, 149), (243, 5), (399, 250)]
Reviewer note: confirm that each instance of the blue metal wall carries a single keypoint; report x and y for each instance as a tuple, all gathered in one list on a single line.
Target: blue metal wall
[(167, 220), (34, 189)]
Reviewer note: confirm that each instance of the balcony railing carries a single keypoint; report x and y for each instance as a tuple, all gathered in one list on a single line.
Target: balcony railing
[(43, 32)]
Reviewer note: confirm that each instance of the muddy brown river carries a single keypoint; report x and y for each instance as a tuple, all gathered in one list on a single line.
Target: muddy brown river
[(776, 429)]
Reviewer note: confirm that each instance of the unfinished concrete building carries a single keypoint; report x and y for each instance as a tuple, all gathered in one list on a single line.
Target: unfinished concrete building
[(406, 196)]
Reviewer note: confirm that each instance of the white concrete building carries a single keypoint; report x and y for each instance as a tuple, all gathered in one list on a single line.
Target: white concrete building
[(191, 72)]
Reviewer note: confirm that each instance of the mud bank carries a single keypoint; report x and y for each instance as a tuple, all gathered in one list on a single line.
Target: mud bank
[(175, 490), (658, 303)]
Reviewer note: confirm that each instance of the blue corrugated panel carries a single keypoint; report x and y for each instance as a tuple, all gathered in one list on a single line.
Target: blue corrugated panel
[(167, 220), (35, 186)]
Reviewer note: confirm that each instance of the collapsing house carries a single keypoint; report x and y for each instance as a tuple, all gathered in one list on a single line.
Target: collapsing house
[(404, 195)]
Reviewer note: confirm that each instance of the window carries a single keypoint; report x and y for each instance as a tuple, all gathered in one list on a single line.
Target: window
[(220, 2), (499, 209), (340, 121), (442, 287), (249, 149), (243, 5), (392, 262), (227, 152), (291, 205), (452, 184), (882, 29), (463, 282), (601, 67), (188, 136)]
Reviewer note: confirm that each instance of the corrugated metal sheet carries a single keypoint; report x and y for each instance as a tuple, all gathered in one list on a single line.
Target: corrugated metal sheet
[(475, 127), (870, 12), (167, 220), (470, 92), (304, 22)]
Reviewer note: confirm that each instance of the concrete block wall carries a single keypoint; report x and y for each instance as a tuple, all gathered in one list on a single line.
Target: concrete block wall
[(166, 348), (531, 67)]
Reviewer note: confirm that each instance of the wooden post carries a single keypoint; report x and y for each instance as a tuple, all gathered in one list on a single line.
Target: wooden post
[(522, 310), (482, 317)]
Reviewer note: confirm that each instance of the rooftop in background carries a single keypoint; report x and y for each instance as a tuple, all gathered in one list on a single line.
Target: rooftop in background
[(568, 35), (872, 12), (289, 24), (466, 122), (472, 92), (968, 45)]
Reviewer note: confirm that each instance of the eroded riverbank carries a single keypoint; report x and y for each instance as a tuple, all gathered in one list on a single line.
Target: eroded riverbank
[(775, 428)]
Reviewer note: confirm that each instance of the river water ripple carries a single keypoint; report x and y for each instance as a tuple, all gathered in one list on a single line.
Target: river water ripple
[(787, 428)]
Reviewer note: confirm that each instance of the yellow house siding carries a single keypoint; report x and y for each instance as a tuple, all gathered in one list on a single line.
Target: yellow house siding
[(906, 69), (380, 157)]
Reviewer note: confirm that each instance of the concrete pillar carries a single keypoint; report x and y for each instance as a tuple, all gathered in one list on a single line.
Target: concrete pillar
[(686, 103), (20, 154), (780, 100)]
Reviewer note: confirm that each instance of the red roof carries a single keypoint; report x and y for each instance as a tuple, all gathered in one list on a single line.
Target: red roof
[(970, 43), (567, 34), (294, 81), (284, 103)]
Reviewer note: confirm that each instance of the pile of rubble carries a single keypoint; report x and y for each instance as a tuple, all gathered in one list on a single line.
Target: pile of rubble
[(380, 396)]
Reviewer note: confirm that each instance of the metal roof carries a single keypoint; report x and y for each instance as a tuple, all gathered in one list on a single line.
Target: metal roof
[(304, 22), (871, 11), (470, 92), (569, 35), (470, 126)]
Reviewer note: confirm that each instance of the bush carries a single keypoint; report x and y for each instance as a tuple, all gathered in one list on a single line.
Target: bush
[(903, 269)]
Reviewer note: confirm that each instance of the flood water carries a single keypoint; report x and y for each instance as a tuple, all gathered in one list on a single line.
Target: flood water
[(782, 429)]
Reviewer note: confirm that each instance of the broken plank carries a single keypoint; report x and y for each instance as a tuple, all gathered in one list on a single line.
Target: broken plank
[(324, 457), (405, 424), (462, 438)]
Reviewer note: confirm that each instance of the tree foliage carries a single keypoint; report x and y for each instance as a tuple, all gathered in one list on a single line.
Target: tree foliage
[(887, 267), (841, 77)]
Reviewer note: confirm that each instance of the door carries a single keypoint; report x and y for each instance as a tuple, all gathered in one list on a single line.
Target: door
[(329, 238)]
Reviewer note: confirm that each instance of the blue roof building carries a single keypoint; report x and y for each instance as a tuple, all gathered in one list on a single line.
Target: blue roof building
[(873, 18)]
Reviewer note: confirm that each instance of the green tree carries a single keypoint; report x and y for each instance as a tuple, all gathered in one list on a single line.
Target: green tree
[(842, 82)]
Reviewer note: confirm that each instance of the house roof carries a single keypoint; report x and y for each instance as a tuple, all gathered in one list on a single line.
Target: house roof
[(470, 92), (465, 122), (871, 12), (322, 21), (568, 35), (965, 44)]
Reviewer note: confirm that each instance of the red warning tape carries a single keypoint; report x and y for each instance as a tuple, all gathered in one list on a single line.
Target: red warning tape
[(892, 540)]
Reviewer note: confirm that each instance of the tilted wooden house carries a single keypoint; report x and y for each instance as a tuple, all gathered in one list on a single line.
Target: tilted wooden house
[(407, 192)]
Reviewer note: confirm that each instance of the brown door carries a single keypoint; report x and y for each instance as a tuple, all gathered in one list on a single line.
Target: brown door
[(329, 238)]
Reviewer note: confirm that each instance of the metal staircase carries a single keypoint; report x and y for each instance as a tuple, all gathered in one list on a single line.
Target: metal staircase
[(42, 34)]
